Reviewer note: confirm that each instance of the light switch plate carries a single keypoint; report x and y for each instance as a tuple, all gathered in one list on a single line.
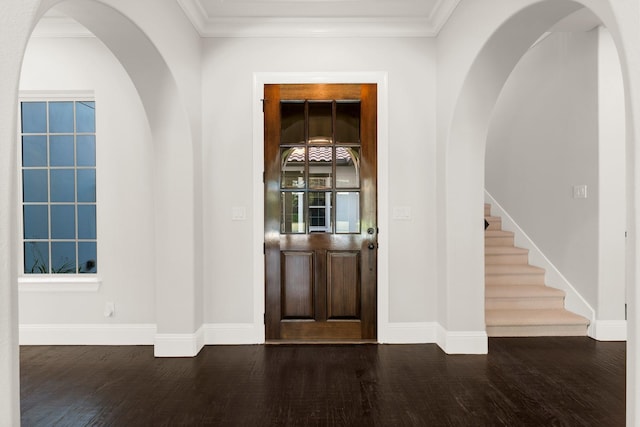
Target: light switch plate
[(238, 213), (402, 213), (579, 191)]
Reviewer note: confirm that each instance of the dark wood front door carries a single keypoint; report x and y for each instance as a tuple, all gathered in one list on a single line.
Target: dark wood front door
[(320, 212)]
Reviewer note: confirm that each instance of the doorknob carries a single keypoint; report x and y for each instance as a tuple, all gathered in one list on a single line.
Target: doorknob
[(371, 245)]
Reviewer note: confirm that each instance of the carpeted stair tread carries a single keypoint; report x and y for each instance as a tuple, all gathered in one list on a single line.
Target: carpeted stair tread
[(498, 233), (497, 269), (537, 317), (522, 291), (505, 250)]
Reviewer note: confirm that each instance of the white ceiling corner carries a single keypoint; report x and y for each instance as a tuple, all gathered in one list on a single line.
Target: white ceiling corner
[(318, 18)]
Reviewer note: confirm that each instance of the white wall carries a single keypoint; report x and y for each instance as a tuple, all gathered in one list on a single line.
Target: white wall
[(543, 140), (228, 70), (612, 159), (124, 178)]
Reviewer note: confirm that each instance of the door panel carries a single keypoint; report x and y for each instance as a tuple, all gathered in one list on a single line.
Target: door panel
[(320, 212), (297, 285), (343, 285)]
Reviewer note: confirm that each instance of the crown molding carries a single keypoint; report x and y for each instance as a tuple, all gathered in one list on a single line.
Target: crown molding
[(271, 26), (441, 14), (404, 24)]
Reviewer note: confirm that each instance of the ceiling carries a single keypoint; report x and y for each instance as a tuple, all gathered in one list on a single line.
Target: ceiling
[(311, 18), (283, 18)]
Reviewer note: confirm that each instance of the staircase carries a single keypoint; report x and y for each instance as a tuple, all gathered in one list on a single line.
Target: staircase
[(517, 301)]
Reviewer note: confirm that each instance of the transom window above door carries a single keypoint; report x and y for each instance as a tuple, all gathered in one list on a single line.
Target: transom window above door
[(320, 167)]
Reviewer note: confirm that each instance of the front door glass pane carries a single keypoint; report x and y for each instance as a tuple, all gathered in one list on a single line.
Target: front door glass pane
[(292, 122), (320, 211), (347, 167), (320, 167), (320, 127), (348, 122), (292, 212), (347, 212), (292, 168)]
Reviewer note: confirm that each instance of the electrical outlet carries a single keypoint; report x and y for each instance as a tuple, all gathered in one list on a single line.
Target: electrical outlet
[(109, 309)]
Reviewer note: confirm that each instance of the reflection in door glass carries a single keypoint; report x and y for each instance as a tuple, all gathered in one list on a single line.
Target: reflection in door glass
[(348, 122), (320, 155), (347, 167), (292, 212), (292, 122), (320, 128), (320, 212), (292, 168), (320, 167), (347, 212)]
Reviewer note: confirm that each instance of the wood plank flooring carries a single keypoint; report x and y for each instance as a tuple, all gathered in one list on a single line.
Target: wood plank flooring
[(569, 381)]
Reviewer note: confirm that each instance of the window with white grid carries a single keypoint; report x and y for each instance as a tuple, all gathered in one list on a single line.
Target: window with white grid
[(58, 142)]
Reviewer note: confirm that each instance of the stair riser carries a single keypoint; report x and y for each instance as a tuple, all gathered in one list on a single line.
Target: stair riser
[(495, 223), (506, 259), (498, 241), (514, 279), (537, 331), (524, 303)]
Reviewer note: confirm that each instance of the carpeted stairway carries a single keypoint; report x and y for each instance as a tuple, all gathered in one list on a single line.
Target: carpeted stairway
[(517, 301)]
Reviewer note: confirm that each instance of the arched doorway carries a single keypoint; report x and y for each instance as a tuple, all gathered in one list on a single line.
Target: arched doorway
[(464, 125), (174, 133), (557, 124)]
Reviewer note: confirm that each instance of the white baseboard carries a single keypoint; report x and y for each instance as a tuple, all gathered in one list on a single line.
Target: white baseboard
[(189, 345), (179, 345), (87, 334), (462, 342), (451, 342), (408, 333), (609, 330), (233, 333)]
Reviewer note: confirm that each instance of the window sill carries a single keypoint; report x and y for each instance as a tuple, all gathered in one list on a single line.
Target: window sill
[(58, 284)]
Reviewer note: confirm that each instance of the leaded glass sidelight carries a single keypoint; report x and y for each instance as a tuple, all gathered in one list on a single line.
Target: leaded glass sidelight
[(320, 167)]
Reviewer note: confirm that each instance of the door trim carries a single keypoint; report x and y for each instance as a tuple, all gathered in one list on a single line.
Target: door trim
[(259, 80)]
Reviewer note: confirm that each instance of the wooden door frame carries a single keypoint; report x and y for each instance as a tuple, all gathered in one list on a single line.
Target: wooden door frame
[(258, 265)]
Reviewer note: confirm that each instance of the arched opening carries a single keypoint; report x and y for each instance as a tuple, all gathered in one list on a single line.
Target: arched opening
[(63, 63), (145, 175), (170, 228), (466, 143), (558, 125), (166, 189)]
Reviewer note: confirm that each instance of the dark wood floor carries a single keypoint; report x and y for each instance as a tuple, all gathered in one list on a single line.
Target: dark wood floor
[(521, 382)]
